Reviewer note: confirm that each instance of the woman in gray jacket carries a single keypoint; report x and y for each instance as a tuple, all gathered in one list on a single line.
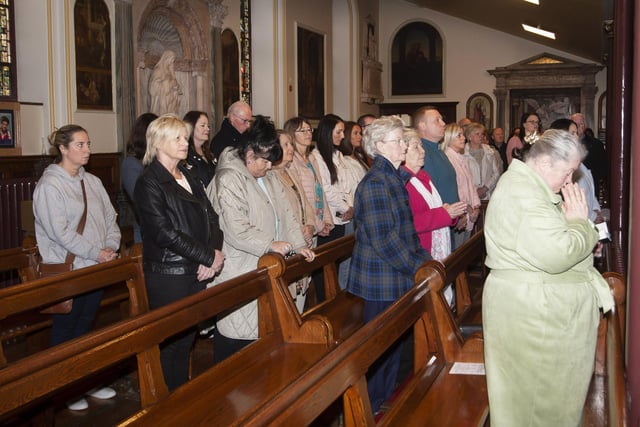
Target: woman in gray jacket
[(58, 206), (255, 219)]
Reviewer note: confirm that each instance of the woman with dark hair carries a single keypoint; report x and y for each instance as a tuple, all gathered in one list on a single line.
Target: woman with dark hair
[(200, 157), (351, 146), (530, 130), (59, 200), (255, 219), (182, 240), (339, 182), (131, 168)]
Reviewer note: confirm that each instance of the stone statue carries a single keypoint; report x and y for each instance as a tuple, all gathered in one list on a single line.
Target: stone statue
[(164, 90)]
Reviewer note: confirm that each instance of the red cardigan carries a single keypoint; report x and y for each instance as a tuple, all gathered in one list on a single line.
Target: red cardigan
[(425, 219)]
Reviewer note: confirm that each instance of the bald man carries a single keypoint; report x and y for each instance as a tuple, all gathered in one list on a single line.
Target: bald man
[(236, 123)]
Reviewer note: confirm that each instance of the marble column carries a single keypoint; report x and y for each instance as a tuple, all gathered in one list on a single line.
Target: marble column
[(217, 13), (124, 66)]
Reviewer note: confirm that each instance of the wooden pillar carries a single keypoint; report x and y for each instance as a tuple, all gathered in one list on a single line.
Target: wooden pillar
[(626, 71)]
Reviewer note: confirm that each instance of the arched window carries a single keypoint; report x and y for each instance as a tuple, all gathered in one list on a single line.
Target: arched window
[(230, 69), (416, 60)]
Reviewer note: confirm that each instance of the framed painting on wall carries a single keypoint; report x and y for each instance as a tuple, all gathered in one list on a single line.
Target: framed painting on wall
[(10, 129), (417, 60), (480, 109), (311, 74), (92, 27)]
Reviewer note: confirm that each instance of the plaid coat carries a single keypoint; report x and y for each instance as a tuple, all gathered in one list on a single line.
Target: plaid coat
[(387, 251)]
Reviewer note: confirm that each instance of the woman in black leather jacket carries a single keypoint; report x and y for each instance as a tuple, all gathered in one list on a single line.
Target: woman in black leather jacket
[(181, 237)]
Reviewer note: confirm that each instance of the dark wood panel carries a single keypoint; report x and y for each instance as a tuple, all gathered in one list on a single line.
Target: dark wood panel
[(105, 166)]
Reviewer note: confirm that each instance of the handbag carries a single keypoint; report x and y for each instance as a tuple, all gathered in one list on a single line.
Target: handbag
[(48, 270)]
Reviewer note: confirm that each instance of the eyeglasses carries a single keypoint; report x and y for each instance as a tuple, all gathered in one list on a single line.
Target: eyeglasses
[(532, 122), (305, 130), (245, 121), (399, 140)]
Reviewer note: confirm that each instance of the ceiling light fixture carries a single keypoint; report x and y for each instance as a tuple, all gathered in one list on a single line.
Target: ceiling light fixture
[(536, 2), (539, 31)]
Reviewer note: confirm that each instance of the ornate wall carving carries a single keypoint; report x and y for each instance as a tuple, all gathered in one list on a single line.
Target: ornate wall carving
[(183, 27), (555, 77)]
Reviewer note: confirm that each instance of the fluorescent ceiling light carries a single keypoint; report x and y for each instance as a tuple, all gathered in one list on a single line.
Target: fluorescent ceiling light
[(536, 2), (539, 31)]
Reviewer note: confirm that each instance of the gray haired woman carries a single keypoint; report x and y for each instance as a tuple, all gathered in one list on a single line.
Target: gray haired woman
[(541, 301)]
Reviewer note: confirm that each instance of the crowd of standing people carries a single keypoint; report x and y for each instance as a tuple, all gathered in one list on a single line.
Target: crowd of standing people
[(206, 208)]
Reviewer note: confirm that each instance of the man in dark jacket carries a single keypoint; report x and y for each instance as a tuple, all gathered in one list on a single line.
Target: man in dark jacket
[(596, 160), (236, 123)]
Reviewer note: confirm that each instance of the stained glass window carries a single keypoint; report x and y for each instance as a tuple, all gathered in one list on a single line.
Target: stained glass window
[(7, 60)]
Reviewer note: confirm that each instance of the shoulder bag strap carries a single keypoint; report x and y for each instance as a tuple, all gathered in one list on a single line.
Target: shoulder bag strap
[(83, 220)]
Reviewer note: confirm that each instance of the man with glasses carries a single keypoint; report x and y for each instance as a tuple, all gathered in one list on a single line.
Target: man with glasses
[(238, 120)]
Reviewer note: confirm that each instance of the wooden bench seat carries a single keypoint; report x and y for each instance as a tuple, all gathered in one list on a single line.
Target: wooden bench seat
[(36, 294), (431, 397), (341, 314)]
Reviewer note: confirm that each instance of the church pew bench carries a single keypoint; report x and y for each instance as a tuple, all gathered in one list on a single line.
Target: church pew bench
[(465, 267), (431, 396), (33, 295), (340, 314), (243, 381), (22, 261), (607, 400)]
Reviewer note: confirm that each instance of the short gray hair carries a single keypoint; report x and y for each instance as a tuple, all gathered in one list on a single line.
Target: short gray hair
[(378, 130), (558, 144)]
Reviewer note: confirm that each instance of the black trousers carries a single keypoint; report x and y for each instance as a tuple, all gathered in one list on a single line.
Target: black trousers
[(164, 289)]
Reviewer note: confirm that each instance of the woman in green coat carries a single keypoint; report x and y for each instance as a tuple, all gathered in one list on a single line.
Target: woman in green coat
[(542, 299)]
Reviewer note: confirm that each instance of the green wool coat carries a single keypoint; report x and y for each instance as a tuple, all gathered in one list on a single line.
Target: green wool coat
[(541, 305)]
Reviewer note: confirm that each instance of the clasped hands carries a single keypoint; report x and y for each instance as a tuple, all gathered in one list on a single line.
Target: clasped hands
[(205, 273)]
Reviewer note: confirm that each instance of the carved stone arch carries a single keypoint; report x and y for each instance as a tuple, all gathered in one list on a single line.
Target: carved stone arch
[(181, 27)]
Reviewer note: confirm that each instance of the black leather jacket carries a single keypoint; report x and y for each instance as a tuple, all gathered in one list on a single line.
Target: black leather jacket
[(180, 230)]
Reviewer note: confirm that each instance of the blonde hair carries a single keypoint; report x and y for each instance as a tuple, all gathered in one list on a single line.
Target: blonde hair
[(450, 131), (162, 131)]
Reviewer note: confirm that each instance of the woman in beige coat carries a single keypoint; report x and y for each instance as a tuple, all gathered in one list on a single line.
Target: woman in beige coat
[(254, 221), (542, 298)]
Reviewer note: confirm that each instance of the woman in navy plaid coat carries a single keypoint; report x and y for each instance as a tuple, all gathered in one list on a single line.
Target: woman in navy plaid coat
[(387, 251)]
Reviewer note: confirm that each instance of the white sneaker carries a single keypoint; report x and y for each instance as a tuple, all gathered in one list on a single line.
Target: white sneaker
[(78, 405), (102, 393)]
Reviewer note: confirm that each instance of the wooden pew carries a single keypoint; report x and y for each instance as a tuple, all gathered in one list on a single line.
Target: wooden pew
[(248, 377), (23, 261), (339, 315), (607, 401), (431, 397), (40, 293)]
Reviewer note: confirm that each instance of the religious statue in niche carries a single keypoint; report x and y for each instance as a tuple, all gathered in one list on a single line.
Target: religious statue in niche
[(164, 89)]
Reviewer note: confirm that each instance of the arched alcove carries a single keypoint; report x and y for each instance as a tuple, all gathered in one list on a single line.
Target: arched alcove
[(417, 60), (181, 27), (230, 69)]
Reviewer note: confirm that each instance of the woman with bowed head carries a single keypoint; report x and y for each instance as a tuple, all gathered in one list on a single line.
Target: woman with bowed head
[(131, 166), (387, 251), (59, 201), (182, 240), (200, 157), (542, 299), (299, 204), (255, 220), (431, 217)]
